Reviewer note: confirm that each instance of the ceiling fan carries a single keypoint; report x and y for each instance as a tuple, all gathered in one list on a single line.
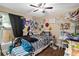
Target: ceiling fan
[(40, 6)]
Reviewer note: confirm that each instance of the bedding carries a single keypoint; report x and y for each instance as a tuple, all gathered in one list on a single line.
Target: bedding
[(32, 47), (29, 39), (25, 44), (42, 41), (19, 51)]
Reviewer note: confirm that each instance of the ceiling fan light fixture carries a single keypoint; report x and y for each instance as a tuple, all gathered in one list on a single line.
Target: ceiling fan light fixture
[(35, 10), (43, 11), (41, 7)]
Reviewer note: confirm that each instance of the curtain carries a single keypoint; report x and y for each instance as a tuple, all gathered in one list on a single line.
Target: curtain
[(17, 25)]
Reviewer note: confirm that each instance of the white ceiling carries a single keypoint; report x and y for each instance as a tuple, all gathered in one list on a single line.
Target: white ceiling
[(26, 9)]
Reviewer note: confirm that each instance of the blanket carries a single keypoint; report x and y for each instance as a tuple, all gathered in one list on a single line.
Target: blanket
[(25, 45), (19, 51)]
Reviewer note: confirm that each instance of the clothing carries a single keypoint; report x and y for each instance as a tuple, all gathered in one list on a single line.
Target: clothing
[(19, 51)]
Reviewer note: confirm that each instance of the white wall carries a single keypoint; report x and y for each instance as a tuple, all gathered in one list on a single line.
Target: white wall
[(7, 30)]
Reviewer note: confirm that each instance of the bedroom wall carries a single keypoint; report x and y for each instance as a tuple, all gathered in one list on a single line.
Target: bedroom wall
[(55, 27), (7, 10), (6, 33), (60, 18)]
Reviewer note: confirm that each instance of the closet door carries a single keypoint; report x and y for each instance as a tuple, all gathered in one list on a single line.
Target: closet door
[(17, 25)]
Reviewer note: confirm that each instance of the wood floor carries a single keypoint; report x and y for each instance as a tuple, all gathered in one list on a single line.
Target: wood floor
[(52, 52)]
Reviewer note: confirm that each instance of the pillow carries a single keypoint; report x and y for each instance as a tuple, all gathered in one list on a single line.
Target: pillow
[(29, 39), (19, 51), (26, 45), (33, 40)]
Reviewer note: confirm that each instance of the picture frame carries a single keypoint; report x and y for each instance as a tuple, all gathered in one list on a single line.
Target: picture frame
[(65, 26)]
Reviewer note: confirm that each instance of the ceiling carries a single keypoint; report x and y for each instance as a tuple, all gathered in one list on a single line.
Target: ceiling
[(26, 9)]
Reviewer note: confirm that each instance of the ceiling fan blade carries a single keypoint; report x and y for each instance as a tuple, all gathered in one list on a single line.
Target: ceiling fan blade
[(35, 10), (40, 4), (48, 7), (33, 5), (44, 3)]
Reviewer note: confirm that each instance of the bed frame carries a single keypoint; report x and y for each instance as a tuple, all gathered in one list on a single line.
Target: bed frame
[(5, 46), (40, 50)]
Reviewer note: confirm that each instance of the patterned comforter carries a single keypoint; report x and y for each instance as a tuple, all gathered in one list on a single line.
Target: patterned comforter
[(42, 41)]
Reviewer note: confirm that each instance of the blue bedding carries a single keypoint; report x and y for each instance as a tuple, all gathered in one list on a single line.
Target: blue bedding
[(34, 46), (25, 44), (19, 51)]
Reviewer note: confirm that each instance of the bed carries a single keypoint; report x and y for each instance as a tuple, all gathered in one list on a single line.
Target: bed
[(40, 45)]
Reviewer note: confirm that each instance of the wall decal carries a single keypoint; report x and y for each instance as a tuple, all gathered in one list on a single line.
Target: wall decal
[(65, 26), (46, 24)]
